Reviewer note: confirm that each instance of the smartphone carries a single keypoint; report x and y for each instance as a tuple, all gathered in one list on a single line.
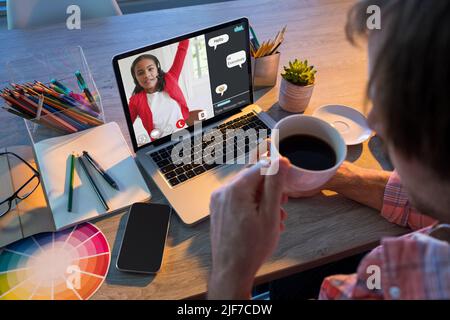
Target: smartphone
[(142, 246)]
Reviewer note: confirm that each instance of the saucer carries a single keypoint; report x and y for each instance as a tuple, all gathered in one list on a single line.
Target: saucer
[(350, 123)]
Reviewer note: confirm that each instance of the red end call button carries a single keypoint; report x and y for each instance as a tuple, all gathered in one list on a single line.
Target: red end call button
[(180, 123)]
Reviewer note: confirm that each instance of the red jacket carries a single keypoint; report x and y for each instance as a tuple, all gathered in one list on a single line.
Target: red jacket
[(139, 104)]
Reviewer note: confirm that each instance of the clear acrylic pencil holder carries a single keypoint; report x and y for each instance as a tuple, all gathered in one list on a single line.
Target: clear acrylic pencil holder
[(77, 111)]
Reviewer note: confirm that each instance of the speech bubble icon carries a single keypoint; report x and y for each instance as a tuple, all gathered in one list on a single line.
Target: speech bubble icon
[(214, 42), (236, 59), (221, 89)]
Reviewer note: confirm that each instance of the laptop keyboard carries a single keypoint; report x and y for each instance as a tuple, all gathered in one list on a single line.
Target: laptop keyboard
[(178, 173)]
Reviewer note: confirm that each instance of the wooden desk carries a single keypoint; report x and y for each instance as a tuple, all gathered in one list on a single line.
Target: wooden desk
[(318, 230)]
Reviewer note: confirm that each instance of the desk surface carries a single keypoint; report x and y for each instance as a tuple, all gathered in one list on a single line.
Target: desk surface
[(319, 230)]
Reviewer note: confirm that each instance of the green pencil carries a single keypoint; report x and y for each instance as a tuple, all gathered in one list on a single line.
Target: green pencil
[(72, 169)]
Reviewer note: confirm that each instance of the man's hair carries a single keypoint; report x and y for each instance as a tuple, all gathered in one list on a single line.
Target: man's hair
[(410, 79), (161, 79)]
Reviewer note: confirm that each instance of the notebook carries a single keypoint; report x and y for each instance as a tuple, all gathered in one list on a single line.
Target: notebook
[(26, 217), (108, 147)]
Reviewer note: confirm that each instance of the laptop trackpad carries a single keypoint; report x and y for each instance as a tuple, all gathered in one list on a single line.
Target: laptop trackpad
[(226, 173)]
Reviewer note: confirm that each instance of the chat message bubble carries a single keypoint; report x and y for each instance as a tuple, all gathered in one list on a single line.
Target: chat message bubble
[(221, 89), (236, 59), (214, 42)]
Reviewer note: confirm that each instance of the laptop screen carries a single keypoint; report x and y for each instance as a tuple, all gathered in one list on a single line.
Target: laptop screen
[(196, 77)]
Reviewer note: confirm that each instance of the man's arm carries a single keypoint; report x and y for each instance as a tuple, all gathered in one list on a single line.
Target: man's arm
[(229, 286), (365, 186), (381, 190)]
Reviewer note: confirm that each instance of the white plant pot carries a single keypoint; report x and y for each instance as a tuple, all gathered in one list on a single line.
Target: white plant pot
[(294, 98)]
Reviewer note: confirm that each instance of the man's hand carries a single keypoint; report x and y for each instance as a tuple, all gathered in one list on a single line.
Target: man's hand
[(246, 221), (263, 152)]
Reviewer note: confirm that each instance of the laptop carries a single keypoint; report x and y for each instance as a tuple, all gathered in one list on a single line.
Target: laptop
[(177, 92)]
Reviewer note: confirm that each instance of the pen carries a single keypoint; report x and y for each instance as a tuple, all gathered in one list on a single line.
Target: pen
[(72, 168), (94, 186), (100, 170)]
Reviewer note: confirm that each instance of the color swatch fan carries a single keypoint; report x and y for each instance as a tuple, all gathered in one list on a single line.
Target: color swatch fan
[(71, 264)]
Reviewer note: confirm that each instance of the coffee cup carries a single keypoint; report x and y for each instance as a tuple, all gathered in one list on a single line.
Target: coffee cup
[(309, 143)]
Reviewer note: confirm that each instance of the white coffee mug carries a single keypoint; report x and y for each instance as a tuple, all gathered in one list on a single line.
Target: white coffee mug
[(300, 179)]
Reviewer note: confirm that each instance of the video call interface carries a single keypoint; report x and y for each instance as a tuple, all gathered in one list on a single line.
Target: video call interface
[(171, 87)]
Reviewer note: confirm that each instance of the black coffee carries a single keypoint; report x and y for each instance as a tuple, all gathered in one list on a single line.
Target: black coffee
[(308, 152)]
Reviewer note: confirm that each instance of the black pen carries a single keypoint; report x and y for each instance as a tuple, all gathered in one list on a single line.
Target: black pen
[(94, 186), (100, 170)]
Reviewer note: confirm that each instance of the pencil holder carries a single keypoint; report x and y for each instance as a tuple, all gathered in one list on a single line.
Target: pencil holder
[(265, 70), (73, 111)]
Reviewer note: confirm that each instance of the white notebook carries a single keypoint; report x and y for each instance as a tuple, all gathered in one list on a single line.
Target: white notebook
[(108, 147)]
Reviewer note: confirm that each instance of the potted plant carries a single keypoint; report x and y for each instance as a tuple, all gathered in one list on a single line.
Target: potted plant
[(297, 85)]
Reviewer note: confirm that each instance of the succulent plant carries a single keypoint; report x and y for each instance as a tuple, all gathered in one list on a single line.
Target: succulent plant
[(299, 73)]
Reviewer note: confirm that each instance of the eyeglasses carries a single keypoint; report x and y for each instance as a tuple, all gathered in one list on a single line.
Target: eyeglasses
[(24, 191)]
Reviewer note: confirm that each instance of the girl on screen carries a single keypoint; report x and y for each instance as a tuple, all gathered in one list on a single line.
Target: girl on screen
[(157, 98)]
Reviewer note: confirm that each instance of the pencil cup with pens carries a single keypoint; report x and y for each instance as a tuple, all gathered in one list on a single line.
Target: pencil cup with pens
[(54, 92), (265, 59)]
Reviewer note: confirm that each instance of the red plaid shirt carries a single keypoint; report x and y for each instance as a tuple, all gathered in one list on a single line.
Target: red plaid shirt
[(415, 266)]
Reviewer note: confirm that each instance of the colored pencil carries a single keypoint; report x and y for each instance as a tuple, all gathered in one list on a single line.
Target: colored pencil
[(268, 47), (53, 105)]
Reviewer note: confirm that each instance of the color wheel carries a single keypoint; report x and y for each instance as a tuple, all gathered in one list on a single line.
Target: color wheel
[(67, 265)]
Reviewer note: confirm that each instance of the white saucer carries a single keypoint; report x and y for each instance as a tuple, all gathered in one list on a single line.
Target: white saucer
[(350, 123)]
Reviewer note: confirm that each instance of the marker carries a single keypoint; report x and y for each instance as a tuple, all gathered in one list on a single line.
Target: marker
[(80, 80), (83, 87), (61, 86)]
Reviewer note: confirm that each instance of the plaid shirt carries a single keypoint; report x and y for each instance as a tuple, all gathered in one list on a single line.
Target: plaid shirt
[(414, 266)]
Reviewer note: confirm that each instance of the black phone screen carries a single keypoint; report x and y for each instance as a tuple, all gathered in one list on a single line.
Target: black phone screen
[(144, 239)]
